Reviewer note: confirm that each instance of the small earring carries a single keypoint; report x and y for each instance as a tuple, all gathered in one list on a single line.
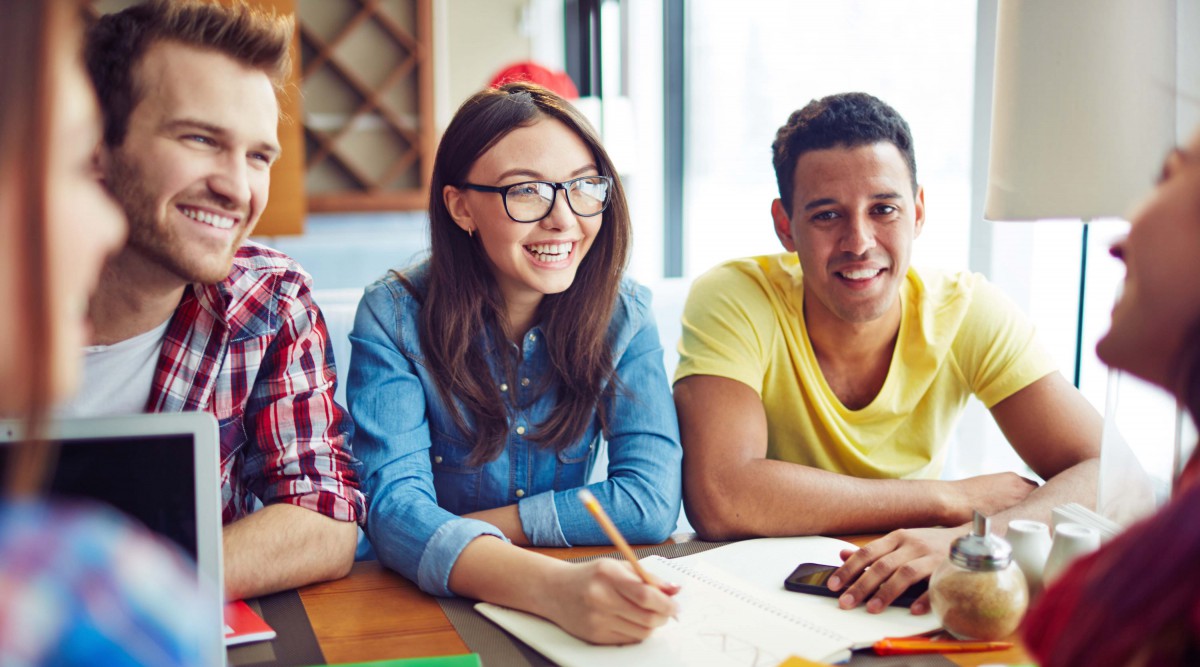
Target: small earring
[(471, 232)]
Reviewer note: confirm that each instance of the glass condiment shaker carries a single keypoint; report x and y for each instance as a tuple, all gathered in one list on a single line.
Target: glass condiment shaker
[(978, 592)]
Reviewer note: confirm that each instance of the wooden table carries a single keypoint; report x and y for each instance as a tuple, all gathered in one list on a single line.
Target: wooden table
[(375, 614)]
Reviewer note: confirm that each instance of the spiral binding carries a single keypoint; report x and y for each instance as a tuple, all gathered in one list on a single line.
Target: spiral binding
[(756, 602)]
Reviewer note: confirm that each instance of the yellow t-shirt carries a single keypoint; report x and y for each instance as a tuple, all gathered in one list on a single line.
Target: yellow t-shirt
[(959, 335)]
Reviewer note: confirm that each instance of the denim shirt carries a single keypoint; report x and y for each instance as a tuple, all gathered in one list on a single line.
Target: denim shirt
[(416, 473)]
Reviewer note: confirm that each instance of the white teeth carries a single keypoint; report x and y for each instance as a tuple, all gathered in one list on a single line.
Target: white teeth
[(550, 248), (218, 221), (861, 274), (550, 252)]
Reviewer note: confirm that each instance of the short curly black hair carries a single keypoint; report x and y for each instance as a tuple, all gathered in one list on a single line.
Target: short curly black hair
[(848, 120)]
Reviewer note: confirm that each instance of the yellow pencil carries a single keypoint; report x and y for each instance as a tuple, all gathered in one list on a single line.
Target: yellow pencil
[(606, 524)]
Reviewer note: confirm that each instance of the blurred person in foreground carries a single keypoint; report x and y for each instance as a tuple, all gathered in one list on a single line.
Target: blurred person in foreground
[(1137, 600), (78, 584)]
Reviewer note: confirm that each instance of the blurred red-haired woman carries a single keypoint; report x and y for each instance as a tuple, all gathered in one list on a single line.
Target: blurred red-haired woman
[(78, 584), (1137, 600)]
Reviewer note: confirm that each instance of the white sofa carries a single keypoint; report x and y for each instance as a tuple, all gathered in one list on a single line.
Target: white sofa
[(338, 306)]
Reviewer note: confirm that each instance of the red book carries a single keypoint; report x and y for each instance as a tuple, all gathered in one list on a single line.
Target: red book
[(243, 626)]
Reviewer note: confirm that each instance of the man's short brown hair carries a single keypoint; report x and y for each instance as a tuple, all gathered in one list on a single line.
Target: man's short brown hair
[(115, 45)]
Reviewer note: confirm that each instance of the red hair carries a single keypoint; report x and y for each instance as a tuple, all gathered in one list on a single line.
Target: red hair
[(38, 30)]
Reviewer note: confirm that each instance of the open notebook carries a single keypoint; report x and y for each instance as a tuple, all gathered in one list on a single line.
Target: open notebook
[(733, 611)]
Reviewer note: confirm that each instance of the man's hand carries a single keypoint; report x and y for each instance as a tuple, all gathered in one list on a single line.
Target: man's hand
[(895, 561), (990, 494), (904, 557)]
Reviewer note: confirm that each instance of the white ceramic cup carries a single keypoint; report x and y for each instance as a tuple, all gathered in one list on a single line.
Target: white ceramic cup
[(1071, 540), (1030, 542)]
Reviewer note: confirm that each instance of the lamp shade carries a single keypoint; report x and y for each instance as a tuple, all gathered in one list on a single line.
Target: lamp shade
[(1083, 109)]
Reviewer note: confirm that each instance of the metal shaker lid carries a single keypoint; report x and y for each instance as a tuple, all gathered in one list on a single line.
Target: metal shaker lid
[(980, 551)]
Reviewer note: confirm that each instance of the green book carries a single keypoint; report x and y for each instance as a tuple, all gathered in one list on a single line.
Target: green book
[(468, 660)]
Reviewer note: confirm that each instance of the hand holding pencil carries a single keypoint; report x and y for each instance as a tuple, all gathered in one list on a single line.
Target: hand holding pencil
[(604, 601), (614, 535), (618, 540)]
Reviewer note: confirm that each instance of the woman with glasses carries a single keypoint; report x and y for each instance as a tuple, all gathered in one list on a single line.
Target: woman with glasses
[(485, 379)]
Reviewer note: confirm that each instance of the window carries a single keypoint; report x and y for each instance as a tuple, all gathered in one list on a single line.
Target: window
[(750, 64)]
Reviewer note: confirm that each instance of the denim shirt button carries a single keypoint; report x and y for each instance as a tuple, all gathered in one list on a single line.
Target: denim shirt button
[(520, 430), (503, 386), (532, 337), (524, 382), (520, 493), (437, 459)]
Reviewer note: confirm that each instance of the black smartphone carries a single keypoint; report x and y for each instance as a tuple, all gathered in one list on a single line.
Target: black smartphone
[(812, 578)]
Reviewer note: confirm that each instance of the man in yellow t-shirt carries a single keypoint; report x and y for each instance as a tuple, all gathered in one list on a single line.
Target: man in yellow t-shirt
[(816, 388)]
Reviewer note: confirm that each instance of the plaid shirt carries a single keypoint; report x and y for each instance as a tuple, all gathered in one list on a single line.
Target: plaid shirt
[(253, 350)]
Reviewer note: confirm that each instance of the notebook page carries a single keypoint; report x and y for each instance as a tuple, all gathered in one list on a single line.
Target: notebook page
[(761, 565), (715, 627)]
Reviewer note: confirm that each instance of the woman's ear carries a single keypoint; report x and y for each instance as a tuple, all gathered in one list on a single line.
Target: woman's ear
[(456, 205)]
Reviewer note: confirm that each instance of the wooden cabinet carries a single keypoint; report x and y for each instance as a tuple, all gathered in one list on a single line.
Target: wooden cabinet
[(367, 80)]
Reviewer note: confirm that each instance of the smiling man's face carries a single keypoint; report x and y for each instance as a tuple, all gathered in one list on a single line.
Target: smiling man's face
[(194, 169), (854, 217)]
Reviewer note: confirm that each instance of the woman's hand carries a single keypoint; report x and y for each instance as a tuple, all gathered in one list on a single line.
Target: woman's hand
[(604, 602)]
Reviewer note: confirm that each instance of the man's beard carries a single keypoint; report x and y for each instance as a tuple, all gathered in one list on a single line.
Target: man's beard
[(152, 238)]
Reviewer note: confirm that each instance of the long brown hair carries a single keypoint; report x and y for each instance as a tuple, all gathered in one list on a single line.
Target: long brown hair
[(36, 29), (463, 315)]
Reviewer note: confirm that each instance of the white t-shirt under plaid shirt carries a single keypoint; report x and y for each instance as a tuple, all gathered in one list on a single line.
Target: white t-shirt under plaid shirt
[(254, 351)]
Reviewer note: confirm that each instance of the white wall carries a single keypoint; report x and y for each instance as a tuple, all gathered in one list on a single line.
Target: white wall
[(1188, 73), (475, 39)]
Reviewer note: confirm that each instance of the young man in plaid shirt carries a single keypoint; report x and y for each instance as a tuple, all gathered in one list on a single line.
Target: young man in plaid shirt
[(193, 316)]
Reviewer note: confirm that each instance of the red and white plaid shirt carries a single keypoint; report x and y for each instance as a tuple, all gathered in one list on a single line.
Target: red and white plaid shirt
[(254, 351)]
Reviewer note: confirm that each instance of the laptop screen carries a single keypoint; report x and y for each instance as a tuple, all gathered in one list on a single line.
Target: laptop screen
[(159, 469), (162, 470), (150, 478)]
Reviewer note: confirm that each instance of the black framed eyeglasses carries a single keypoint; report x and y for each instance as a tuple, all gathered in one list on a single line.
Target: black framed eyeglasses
[(532, 201)]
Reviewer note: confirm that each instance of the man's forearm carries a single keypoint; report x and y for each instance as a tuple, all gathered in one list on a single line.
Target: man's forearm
[(1078, 484), (284, 546), (733, 490), (775, 498)]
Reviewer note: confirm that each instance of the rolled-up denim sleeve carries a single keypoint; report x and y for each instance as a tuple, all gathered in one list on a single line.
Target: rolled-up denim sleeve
[(410, 532), (539, 520), (643, 491)]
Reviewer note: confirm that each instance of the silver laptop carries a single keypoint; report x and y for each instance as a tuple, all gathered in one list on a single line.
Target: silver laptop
[(160, 469)]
